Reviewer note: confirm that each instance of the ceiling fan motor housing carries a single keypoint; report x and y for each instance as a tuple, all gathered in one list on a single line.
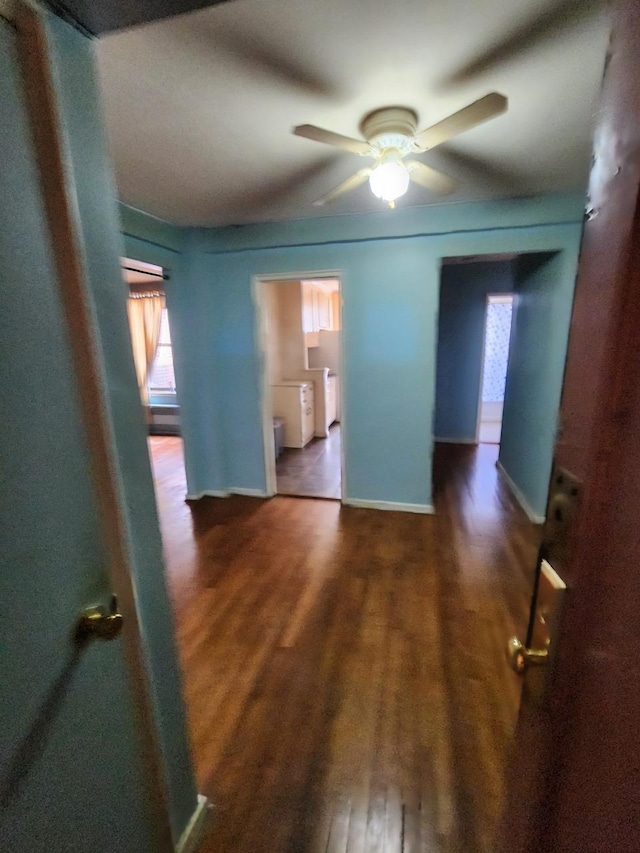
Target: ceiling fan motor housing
[(390, 127)]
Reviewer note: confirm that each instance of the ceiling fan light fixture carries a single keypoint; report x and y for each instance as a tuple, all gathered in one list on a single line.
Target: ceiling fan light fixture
[(389, 135), (390, 178)]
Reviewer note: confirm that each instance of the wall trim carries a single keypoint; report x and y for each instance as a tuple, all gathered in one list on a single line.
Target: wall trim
[(206, 493), (519, 496), (421, 509), (151, 229), (456, 440), (194, 831), (549, 210), (250, 493)]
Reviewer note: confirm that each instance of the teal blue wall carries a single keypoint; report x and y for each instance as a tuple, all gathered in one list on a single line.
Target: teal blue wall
[(389, 340), (461, 319), (150, 240), (149, 234), (542, 313), (77, 89), (389, 263)]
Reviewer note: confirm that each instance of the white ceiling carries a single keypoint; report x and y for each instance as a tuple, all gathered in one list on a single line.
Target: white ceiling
[(199, 107)]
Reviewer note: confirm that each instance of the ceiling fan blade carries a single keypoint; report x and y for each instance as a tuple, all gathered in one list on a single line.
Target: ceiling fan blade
[(430, 178), (269, 190), (492, 105), (554, 20), (355, 146), (257, 54), (471, 169), (345, 187)]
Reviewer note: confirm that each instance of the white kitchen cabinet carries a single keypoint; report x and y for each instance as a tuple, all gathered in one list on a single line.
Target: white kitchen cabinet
[(317, 311), (324, 309), (294, 401), (309, 314)]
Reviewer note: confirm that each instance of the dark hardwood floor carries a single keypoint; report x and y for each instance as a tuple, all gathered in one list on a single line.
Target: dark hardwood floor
[(344, 668), (313, 471)]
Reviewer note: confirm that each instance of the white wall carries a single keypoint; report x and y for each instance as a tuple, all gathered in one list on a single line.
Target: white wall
[(328, 353), (291, 336), (282, 305)]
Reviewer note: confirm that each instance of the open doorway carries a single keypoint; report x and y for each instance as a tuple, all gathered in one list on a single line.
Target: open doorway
[(300, 340), (150, 330), (502, 332), (495, 359), (471, 344)]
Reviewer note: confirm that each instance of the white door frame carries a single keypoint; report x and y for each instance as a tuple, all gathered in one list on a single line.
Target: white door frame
[(266, 403)]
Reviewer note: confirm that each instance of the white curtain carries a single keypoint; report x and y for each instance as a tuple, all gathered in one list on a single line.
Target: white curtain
[(145, 316)]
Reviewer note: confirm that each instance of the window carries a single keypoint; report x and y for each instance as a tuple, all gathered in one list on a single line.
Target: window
[(162, 379), (496, 347)]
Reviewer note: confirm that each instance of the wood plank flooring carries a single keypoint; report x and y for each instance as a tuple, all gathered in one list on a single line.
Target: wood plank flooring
[(314, 470), (344, 668)]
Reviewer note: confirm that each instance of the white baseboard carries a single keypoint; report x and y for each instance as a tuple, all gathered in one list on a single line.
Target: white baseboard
[(531, 515), (224, 493), (456, 440), (207, 493), (422, 509), (249, 493), (194, 831)]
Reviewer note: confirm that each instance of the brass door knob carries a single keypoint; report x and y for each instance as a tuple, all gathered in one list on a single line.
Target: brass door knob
[(99, 622), (521, 658)]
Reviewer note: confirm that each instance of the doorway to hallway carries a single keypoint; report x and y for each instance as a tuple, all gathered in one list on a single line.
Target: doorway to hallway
[(503, 323), (474, 337)]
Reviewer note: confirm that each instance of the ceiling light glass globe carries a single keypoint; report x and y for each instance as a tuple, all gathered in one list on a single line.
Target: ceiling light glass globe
[(389, 180)]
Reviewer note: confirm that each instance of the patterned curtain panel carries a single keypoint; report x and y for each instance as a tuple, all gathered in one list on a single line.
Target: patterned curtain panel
[(496, 351)]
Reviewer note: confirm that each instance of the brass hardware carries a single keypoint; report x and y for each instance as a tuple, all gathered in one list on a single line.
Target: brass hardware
[(564, 497), (521, 658), (99, 622)]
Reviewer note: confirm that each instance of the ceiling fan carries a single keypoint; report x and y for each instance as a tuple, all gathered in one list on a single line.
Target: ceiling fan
[(390, 136)]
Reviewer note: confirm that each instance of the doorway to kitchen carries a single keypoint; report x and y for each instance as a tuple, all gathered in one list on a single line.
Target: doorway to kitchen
[(300, 330)]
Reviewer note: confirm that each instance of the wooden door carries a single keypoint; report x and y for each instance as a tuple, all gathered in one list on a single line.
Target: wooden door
[(575, 777), (79, 767)]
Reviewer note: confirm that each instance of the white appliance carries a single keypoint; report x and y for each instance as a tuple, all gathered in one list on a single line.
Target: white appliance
[(294, 401), (332, 400), (327, 354)]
